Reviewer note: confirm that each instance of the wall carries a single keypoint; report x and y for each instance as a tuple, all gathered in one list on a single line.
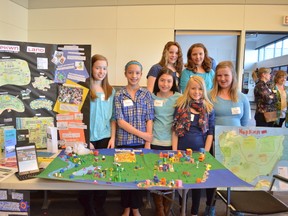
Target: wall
[(13, 27), (123, 33)]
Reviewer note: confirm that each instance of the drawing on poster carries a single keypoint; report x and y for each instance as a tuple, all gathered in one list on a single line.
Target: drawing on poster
[(58, 58), (14, 72), (254, 154), (42, 83), (60, 77), (37, 127), (9, 102), (25, 94), (41, 103), (79, 65), (42, 63)]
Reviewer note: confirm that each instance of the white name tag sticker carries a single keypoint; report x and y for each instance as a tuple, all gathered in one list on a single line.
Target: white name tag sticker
[(128, 102), (158, 103), (192, 117), (235, 110), (102, 97)]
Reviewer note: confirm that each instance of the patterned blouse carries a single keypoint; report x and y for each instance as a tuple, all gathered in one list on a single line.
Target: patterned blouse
[(265, 98)]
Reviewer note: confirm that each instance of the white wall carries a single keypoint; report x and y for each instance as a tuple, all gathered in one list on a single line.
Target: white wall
[(122, 33), (13, 21)]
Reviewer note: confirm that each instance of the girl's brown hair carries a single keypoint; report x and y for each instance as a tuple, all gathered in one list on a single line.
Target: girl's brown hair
[(164, 60), (207, 62), (107, 88)]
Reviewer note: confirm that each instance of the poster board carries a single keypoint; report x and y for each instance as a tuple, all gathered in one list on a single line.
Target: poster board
[(254, 154), (31, 77)]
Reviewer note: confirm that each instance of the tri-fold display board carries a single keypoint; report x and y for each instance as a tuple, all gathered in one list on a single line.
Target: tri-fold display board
[(40, 81)]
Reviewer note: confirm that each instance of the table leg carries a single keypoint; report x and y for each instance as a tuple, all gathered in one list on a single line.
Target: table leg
[(228, 201), (46, 202), (183, 207)]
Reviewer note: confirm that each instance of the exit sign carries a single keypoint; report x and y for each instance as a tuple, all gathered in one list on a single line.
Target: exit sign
[(285, 20)]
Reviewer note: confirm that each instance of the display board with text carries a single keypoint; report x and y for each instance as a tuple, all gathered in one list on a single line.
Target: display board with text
[(39, 81)]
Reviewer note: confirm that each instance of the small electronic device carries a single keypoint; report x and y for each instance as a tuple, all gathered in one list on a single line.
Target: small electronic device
[(27, 161)]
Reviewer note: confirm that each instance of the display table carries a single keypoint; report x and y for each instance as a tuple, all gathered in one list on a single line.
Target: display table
[(218, 175)]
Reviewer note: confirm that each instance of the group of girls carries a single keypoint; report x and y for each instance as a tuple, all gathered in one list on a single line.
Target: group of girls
[(160, 117)]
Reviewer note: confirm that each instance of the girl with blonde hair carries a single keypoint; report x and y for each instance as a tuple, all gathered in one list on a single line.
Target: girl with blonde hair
[(193, 124), (232, 107)]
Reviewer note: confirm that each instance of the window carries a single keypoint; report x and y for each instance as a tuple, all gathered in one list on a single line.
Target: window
[(278, 48), (261, 54), (269, 51), (285, 46), (272, 50)]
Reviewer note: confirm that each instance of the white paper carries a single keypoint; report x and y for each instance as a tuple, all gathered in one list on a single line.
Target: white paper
[(52, 142)]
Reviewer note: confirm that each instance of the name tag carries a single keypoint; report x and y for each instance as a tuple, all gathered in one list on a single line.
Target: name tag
[(235, 110), (102, 97), (192, 117), (128, 102), (158, 103)]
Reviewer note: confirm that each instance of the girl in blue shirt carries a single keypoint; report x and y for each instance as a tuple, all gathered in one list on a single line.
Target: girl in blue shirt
[(101, 135), (232, 107), (101, 105), (164, 96), (198, 64)]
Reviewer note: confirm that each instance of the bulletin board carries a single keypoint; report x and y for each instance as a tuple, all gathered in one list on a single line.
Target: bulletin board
[(39, 81)]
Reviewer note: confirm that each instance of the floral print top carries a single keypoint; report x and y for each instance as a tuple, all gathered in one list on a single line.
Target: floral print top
[(265, 98)]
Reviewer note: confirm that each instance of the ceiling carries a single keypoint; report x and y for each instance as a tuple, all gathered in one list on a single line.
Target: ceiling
[(41, 4)]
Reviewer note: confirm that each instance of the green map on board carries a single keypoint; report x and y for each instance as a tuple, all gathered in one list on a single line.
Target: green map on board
[(253, 154)]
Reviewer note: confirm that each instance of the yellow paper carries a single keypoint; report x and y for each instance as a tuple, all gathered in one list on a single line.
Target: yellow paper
[(76, 107)]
